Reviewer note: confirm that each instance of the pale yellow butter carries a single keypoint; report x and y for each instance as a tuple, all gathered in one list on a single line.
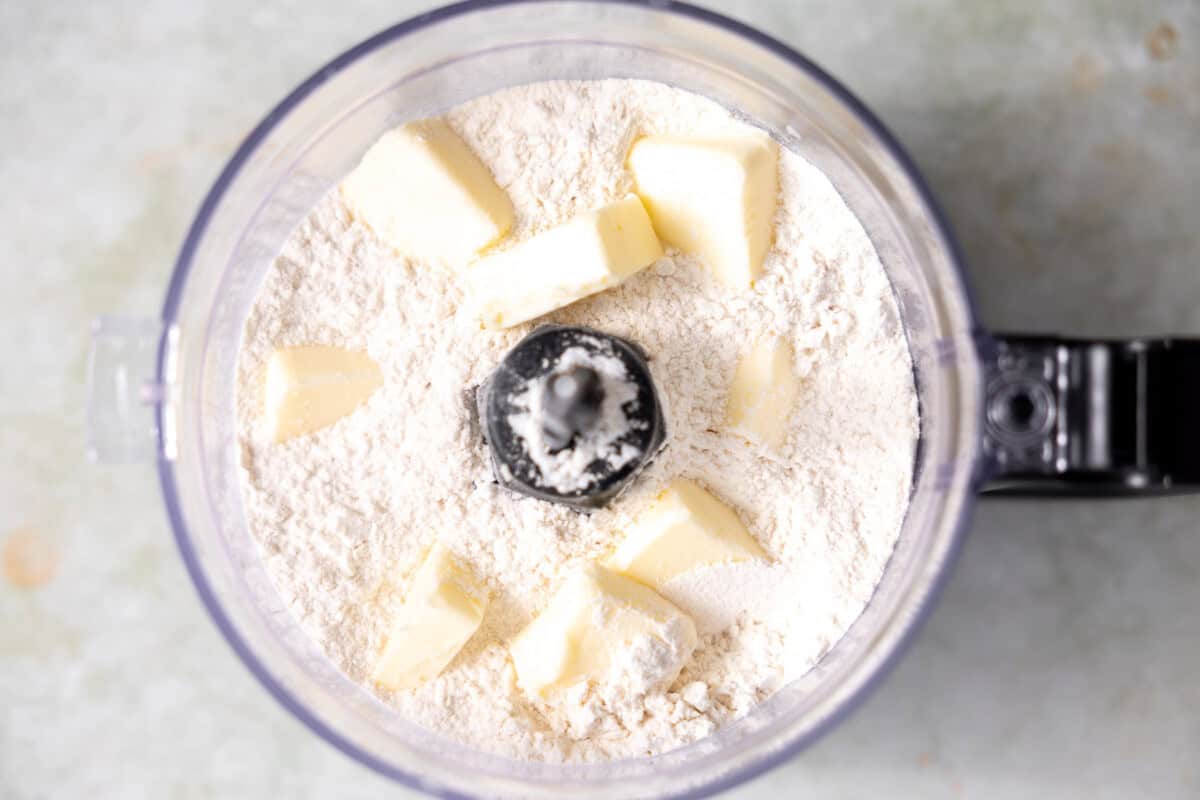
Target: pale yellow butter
[(764, 390), (591, 252), (686, 528), (308, 388), (714, 197), (605, 629), (442, 610), (423, 191)]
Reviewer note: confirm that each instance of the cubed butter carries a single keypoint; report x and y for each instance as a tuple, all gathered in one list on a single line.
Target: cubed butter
[(686, 528), (589, 253), (763, 392), (441, 611), (714, 197), (423, 191), (605, 629), (308, 388)]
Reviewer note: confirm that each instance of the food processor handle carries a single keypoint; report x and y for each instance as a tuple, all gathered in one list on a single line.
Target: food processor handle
[(122, 395), (1077, 417)]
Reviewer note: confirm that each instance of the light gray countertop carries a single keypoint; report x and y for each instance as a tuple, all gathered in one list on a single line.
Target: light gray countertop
[(1062, 139)]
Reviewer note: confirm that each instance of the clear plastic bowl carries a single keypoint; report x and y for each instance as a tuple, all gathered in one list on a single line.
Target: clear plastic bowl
[(425, 66)]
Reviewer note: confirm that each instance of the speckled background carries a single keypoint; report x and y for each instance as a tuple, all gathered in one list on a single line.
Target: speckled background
[(1063, 139)]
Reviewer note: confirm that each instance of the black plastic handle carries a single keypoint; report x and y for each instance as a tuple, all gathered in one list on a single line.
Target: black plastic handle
[(1082, 417)]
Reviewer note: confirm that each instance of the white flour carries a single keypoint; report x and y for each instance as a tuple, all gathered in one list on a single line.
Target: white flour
[(344, 516)]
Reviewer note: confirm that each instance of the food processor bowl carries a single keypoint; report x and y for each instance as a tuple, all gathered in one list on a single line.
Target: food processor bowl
[(304, 147)]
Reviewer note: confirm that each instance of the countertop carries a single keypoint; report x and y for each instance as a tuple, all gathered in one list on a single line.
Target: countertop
[(1062, 139)]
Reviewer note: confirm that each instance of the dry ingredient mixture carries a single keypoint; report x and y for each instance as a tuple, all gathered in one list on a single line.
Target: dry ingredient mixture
[(345, 515)]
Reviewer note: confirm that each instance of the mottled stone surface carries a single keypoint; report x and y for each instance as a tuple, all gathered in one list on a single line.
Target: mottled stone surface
[(1062, 139)]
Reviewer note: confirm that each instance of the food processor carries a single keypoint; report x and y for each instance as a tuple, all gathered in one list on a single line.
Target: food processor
[(998, 413)]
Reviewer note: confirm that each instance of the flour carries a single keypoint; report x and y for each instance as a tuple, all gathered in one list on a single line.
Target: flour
[(344, 516), (717, 596)]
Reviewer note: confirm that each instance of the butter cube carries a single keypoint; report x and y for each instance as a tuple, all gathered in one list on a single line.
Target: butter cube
[(763, 393), (441, 611), (593, 251), (686, 528), (712, 197), (308, 388), (423, 191), (607, 630)]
